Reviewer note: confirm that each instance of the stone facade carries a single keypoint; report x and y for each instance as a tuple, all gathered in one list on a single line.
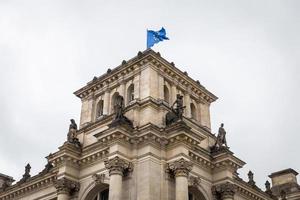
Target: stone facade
[(145, 160)]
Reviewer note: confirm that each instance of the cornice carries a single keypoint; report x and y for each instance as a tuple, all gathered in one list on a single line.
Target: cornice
[(148, 56), (35, 183), (201, 160), (79, 161), (249, 191)]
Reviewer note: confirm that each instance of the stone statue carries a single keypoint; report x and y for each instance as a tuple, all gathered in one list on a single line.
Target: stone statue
[(27, 170), (26, 175), (176, 112), (119, 106), (47, 168), (72, 131), (72, 138), (268, 186), (221, 140), (251, 179), (179, 106)]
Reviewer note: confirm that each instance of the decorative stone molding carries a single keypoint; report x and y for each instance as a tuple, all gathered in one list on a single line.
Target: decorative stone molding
[(151, 57), (99, 178), (194, 181), (223, 191), (199, 159), (34, 184), (118, 166), (66, 186), (180, 167)]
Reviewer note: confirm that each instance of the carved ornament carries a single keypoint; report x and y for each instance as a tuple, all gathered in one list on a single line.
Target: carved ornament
[(118, 166), (66, 186), (223, 191), (180, 167)]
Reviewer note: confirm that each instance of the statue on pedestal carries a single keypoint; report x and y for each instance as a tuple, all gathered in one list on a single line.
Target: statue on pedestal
[(26, 175), (221, 140), (119, 109), (72, 138), (176, 113)]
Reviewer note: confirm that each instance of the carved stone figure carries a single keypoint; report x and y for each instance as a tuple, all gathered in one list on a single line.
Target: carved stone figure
[(119, 113), (47, 168), (176, 112), (221, 139), (268, 186), (72, 130), (119, 106), (251, 179), (72, 138), (26, 175)]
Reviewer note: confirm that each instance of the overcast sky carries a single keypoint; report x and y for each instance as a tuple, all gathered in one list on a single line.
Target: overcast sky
[(245, 52)]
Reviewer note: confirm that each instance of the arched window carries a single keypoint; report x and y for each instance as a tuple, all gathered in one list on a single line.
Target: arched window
[(113, 99), (99, 110), (130, 93), (103, 195), (166, 94), (193, 111)]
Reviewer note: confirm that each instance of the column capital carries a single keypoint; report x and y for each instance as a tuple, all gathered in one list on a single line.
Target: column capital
[(118, 166), (66, 186), (224, 191), (180, 167)]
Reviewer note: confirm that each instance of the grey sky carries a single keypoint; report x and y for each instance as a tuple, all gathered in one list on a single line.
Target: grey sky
[(245, 52)]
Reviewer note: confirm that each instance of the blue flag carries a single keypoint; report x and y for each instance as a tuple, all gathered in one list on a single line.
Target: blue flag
[(154, 37)]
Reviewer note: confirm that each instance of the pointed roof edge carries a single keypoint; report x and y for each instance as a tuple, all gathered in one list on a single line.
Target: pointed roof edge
[(136, 58)]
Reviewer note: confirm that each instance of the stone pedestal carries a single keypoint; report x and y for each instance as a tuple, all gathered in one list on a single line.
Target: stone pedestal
[(181, 168), (117, 169)]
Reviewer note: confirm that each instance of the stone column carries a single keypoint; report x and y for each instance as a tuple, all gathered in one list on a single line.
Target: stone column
[(181, 168), (117, 169), (136, 82), (223, 191), (106, 102), (187, 102), (66, 188), (160, 87), (173, 93)]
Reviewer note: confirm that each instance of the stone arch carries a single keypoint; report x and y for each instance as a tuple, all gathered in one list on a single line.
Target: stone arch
[(92, 190), (130, 93), (99, 108), (199, 192), (113, 98), (193, 111)]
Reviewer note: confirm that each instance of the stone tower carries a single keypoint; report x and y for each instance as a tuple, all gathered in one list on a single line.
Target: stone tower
[(144, 134)]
